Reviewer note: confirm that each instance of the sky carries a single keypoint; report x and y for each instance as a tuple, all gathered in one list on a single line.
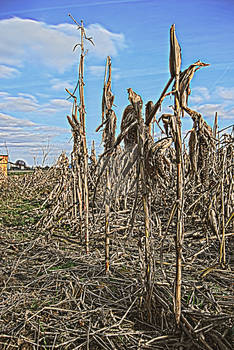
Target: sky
[(37, 63)]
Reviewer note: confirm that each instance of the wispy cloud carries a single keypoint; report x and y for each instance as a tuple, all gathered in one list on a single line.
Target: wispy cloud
[(24, 138), (225, 93), (97, 71), (28, 103), (208, 102), (209, 109), (18, 103), (77, 5), (59, 84), (58, 102), (7, 72), (199, 94), (9, 121)]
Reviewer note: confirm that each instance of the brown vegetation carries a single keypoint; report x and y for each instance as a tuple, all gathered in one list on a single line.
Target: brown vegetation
[(132, 250)]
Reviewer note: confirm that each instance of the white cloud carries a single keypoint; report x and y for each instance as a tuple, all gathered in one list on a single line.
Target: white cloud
[(9, 121), (33, 41), (54, 106), (60, 103), (3, 94), (106, 42), (47, 110), (28, 103), (97, 71), (199, 94), (225, 93), (18, 103), (196, 99), (29, 40), (58, 84), (24, 138), (208, 103), (46, 128), (209, 110), (29, 96), (8, 72), (42, 95), (229, 114)]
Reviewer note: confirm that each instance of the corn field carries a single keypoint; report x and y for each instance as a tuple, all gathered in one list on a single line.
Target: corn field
[(130, 249)]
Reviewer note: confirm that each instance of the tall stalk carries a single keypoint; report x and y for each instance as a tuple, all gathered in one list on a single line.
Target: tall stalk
[(180, 219), (76, 162), (137, 103), (108, 138), (222, 257), (175, 64), (108, 185), (107, 221), (84, 150)]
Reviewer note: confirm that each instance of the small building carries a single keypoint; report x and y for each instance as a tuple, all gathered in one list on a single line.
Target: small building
[(3, 164), (20, 164)]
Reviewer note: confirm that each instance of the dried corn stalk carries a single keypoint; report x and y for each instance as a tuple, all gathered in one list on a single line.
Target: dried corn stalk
[(175, 54), (83, 144), (157, 163), (108, 138), (215, 126), (108, 115), (128, 118), (175, 63), (76, 162), (93, 156), (201, 147), (137, 104), (185, 78), (193, 149)]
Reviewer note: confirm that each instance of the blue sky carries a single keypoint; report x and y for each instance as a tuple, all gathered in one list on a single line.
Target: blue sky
[(37, 64)]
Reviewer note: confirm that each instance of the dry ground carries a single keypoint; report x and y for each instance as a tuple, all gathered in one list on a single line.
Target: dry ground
[(54, 296)]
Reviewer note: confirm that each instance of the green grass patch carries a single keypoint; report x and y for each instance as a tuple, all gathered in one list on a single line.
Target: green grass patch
[(18, 213), (12, 173), (66, 265)]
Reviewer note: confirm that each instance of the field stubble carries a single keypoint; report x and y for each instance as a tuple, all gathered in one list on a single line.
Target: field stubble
[(55, 296)]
